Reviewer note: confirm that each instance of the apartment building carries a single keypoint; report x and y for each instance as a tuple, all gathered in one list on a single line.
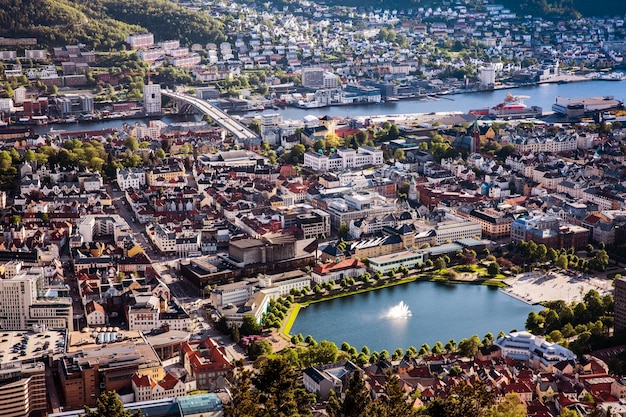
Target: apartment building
[(165, 174), (494, 224), (22, 389), (312, 222), (22, 307), (140, 40), (620, 304)]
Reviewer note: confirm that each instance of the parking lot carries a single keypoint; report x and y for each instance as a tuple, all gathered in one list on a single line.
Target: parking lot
[(25, 346)]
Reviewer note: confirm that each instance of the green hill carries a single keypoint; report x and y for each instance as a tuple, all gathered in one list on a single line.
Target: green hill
[(104, 24), (567, 8), (543, 8)]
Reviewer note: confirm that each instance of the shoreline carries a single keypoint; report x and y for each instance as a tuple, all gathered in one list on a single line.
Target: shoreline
[(290, 319), (522, 287)]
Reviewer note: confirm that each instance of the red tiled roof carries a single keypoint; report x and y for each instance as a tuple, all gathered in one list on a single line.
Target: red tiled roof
[(323, 269), (142, 381), (92, 306), (169, 382)]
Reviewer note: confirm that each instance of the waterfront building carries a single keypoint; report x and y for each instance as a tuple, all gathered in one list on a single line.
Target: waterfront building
[(312, 77), (575, 108), (338, 270), (386, 263), (535, 350), (236, 294), (487, 76), (152, 99)]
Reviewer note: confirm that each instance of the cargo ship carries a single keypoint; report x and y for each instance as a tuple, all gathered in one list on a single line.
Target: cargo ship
[(512, 107)]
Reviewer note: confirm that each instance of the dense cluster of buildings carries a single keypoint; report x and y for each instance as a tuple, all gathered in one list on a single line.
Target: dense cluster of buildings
[(251, 230), (547, 377)]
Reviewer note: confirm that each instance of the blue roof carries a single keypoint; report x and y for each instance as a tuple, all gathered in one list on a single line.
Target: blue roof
[(200, 403)]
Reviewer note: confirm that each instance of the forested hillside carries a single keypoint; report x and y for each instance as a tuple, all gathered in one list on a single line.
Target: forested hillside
[(567, 8), (544, 8), (104, 24)]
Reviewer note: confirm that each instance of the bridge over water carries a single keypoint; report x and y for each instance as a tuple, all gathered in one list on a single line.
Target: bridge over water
[(220, 117)]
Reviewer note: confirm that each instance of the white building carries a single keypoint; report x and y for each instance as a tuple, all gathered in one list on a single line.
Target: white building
[(7, 105), (487, 76), (536, 350), (92, 226), (386, 263), (130, 178), (21, 307), (95, 315), (281, 285), (152, 98), (344, 159), (12, 268), (236, 294), (144, 314), (183, 244), (147, 389)]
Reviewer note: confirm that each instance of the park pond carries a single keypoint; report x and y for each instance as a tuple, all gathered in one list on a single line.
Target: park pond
[(412, 314)]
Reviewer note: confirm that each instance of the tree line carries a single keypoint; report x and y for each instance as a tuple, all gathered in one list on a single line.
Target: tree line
[(589, 321)]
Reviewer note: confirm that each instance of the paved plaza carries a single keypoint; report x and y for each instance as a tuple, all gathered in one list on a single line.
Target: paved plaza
[(535, 287)]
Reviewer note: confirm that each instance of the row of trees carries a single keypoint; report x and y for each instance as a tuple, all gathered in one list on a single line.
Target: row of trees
[(307, 351), (589, 319), (563, 258)]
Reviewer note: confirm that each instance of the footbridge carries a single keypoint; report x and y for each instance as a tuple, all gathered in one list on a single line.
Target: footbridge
[(220, 117)]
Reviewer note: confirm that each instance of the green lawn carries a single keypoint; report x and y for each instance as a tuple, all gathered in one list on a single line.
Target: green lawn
[(288, 323)]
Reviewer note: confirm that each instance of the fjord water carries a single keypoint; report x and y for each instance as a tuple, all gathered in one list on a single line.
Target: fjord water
[(439, 312), (543, 95), (540, 95)]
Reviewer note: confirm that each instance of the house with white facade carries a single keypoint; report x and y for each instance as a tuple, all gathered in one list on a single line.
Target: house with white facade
[(146, 388), (95, 315), (130, 178)]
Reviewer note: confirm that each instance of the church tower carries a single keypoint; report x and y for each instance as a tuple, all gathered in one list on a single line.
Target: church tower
[(412, 190), (475, 134)]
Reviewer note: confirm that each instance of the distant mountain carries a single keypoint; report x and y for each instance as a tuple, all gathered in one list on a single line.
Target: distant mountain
[(104, 24), (567, 8), (544, 8)]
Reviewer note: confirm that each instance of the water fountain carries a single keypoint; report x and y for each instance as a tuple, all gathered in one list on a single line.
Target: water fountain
[(399, 311)]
